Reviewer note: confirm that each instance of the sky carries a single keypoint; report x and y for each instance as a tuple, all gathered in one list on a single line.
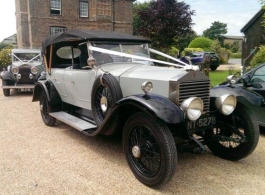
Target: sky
[(235, 13)]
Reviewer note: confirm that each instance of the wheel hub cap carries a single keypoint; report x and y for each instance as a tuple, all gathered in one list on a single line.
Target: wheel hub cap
[(136, 151), (104, 103)]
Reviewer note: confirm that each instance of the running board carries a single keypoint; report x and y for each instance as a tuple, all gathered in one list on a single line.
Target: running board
[(73, 121)]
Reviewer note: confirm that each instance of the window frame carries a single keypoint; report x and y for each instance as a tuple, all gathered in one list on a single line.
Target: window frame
[(80, 10), (55, 9), (58, 27)]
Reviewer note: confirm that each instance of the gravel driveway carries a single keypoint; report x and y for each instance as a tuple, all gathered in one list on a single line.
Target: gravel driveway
[(36, 159)]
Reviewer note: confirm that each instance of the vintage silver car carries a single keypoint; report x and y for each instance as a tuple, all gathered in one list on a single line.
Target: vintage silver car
[(103, 82), (25, 70)]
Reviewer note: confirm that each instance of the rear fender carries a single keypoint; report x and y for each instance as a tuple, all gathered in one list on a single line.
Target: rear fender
[(50, 91)]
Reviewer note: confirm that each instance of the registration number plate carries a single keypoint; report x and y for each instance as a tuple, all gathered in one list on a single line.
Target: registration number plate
[(203, 122)]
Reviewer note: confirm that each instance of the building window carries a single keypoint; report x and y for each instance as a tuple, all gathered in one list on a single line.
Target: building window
[(104, 7), (83, 9), (56, 29), (56, 7)]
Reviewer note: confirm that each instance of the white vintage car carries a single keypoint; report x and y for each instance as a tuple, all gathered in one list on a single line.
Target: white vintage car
[(106, 82), (23, 73)]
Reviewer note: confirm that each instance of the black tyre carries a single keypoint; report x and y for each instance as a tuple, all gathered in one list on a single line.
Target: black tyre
[(213, 68), (6, 92), (236, 144), (104, 96), (150, 149), (45, 110)]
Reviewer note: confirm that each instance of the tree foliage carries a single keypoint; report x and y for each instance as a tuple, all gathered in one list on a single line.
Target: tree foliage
[(259, 57), (162, 21), (183, 41), (5, 58), (201, 42), (5, 46), (216, 30)]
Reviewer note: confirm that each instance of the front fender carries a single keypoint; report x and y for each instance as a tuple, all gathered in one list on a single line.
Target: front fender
[(242, 94), (8, 76), (154, 105), (162, 107)]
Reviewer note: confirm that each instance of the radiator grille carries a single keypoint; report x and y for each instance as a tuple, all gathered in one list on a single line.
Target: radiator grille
[(25, 71), (199, 89)]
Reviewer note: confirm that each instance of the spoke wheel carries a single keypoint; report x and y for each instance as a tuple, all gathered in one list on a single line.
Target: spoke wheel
[(149, 149), (45, 109), (104, 97), (235, 144)]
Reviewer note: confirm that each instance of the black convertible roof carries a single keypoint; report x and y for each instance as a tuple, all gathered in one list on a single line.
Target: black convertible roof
[(92, 35)]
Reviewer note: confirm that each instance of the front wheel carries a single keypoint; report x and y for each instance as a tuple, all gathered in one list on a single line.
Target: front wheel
[(236, 136), (149, 149), (6, 92), (45, 109)]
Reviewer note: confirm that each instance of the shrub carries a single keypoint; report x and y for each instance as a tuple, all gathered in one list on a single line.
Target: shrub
[(173, 51), (201, 42), (258, 58), (236, 55), (187, 51), (5, 58), (224, 55)]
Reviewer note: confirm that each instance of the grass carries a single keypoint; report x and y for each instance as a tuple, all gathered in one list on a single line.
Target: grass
[(219, 76)]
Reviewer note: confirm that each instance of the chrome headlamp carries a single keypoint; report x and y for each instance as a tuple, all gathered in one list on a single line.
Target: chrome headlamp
[(226, 104), (34, 70), (147, 87), (192, 107), (14, 70)]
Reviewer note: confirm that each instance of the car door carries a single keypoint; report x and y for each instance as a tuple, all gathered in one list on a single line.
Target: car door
[(82, 82)]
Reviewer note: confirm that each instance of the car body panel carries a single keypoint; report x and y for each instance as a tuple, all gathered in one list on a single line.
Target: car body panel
[(253, 91), (24, 60)]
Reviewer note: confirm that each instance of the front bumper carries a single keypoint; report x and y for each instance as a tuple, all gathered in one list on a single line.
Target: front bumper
[(19, 87)]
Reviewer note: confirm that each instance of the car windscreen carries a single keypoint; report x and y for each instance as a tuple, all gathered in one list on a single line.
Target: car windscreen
[(128, 48), (26, 57)]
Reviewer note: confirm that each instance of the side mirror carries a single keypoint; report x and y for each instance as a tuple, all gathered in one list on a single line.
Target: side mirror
[(246, 80)]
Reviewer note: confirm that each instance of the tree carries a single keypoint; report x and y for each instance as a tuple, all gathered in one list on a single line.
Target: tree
[(201, 42), (136, 8), (183, 41), (5, 45), (216, 30), (164, 20), (5, 58)]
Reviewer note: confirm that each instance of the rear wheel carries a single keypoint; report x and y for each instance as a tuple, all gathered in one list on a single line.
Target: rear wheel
[(234, 138), (45, 110), (150, 149)]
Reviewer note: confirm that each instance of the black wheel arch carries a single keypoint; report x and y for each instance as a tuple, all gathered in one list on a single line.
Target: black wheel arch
[(154, 105), (243, 95), (50, 91), (8, 77)]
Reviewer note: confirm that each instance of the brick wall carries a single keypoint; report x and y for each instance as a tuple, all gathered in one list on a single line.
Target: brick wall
[(34, 19)]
